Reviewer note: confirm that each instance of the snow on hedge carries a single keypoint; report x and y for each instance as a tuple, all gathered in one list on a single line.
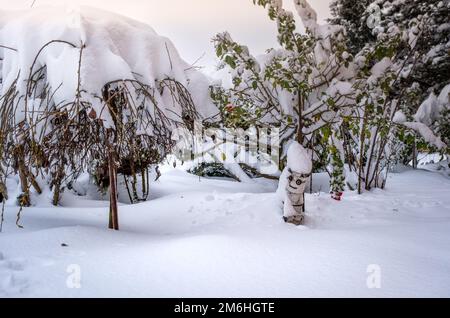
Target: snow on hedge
[(433, 106), (429, 111), (95, 48)]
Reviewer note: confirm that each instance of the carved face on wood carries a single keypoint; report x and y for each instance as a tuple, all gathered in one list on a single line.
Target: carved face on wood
[(297, 182)]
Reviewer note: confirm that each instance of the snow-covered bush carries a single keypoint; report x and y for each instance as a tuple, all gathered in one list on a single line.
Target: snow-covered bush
[(90, 91), (285, 88), (422, 51), (326, 98)]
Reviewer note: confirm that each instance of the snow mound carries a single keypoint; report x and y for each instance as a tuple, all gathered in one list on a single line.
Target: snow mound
[(399, 117), (298, 159), (444, 97), (91, 48), (428, 110), (426, 133)]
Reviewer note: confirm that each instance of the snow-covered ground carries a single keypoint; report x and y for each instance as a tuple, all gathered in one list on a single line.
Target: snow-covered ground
[(216, 238)]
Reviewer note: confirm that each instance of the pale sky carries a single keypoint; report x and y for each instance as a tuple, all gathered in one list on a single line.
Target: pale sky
[(191, 24)]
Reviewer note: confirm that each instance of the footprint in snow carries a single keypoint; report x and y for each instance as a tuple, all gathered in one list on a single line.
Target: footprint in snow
[(15, 265), (12, 281), (12, 284)]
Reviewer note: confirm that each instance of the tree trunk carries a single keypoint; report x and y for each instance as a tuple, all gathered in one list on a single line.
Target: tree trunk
[(362, 141), (57, 185), (300, 136), (23, 176), (34, 183)]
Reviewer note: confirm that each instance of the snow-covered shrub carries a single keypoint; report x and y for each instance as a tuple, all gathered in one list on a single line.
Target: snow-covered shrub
[(90, 91), (301, 88), (328, 99), (349, 13), (423, 52), (283, 88)]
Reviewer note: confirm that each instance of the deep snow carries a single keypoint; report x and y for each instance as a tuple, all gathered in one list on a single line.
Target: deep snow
[(216, 238), (90, 39)]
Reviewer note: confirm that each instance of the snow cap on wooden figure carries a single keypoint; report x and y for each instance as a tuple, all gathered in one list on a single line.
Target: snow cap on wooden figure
[(293, 182)]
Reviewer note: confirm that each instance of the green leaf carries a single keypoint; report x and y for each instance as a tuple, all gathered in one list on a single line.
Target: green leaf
[(219, 51), (230, 61)]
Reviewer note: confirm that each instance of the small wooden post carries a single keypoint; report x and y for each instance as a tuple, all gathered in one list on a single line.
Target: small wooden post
[(414, 161), (113, 209)]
